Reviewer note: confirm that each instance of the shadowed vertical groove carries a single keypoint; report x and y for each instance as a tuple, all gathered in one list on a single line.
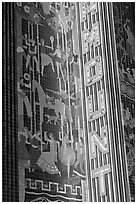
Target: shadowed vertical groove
[(115, 104), (10, 161), (84, 106)]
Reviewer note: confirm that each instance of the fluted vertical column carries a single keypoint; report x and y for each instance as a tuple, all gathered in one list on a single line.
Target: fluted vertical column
[(10, 161)]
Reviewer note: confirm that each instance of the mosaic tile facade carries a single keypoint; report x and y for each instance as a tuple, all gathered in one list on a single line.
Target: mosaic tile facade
[(69, 140), (51, 149)]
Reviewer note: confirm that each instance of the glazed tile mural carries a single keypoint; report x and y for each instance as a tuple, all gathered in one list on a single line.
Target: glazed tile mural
[(51, 142), (51, 150)]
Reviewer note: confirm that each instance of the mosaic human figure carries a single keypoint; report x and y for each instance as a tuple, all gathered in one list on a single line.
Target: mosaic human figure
[(63, 18), (32, 51), (61, 57)]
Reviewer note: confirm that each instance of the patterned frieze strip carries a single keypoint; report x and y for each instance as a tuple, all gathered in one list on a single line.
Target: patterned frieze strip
[(48, 186)]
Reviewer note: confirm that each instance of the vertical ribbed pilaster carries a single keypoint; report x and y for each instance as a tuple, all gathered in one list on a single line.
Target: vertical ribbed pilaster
[(9, 103)]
